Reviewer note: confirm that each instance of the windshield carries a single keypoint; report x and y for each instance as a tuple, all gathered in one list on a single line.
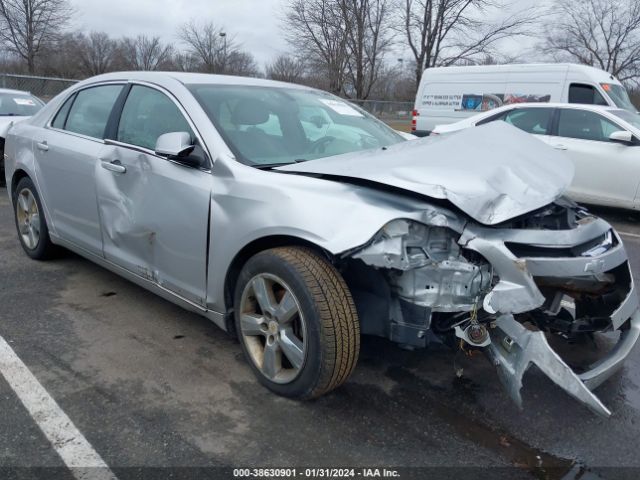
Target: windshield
[(627, 116), (274, 125), (619, 95), (19, 104)]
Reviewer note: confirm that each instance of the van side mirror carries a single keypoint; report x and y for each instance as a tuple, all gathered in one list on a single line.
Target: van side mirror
[(622, 136)]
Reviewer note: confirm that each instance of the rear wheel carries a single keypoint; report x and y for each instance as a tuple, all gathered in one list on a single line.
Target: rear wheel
[(297, 322), (30, 222)]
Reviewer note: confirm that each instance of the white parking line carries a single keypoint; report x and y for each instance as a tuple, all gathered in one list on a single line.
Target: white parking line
[(74, 450), (630, 235)]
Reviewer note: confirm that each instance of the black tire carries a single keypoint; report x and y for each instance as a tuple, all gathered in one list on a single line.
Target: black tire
[(44, 248), (332, 328)]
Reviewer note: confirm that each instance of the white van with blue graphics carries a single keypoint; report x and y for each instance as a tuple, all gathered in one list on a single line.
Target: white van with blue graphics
[(450, 94)]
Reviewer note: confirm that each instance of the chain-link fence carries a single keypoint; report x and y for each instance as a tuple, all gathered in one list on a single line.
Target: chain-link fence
[(396, 114), (44, 88)]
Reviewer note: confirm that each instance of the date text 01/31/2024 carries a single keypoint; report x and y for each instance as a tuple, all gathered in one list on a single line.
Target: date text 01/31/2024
[(315, 473)]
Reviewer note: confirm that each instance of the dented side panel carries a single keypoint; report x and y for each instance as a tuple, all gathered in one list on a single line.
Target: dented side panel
[(155, 219)]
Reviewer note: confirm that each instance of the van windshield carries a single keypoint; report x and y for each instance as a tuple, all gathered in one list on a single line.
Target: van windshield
[(268, 126), (619, 95)]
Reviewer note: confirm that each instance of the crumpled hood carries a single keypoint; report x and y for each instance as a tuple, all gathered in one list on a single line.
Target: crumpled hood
[(5, 123), (492, 173)]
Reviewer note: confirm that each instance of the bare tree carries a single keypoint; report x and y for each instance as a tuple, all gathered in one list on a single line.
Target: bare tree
[(366, 31), (241, 63), (602, 33), (316, 30), (144, 53), (445, 32), (26, 26), (96, 52), (209, 44), (186, 62), (286, 69)]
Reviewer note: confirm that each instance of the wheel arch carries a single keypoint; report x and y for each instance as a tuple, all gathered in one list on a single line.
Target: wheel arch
[(248, 251), (18, 175)]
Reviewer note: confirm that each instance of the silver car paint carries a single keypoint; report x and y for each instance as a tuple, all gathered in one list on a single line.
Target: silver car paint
[(247, 205)]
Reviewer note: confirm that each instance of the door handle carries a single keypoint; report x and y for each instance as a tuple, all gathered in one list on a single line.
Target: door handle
[(42, 146), (113, 166), (560, 147)]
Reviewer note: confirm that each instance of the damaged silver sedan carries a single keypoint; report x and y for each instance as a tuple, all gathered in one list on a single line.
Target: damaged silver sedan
[(298, 222)]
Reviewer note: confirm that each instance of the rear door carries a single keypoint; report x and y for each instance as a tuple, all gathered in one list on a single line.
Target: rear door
[(154, 212), (606, 172), (67, 157)]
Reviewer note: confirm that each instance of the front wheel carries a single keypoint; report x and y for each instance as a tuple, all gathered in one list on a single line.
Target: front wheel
[(297, 322)]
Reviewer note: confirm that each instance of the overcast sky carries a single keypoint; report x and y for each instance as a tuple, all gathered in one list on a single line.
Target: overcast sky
[(255, 24)]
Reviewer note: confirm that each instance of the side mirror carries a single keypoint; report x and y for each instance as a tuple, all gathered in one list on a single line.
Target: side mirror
[(622, 136), (174, 145), (177, 146)]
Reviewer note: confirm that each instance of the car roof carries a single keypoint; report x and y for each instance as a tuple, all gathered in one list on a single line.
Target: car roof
[(191, 78), (574, 67)]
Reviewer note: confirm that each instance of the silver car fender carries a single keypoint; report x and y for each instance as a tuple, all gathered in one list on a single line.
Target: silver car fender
[(333, 215)]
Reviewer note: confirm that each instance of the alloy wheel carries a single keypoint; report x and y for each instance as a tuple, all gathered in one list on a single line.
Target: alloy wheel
[(28, 217), (273, 328)]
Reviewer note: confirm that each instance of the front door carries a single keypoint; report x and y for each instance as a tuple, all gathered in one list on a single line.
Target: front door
[(154, 212), (606, 172)]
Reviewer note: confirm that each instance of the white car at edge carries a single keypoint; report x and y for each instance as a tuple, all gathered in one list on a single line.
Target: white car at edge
[(603, 143), (15, 105)]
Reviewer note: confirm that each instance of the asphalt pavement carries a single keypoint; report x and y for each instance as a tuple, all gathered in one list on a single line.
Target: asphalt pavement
[(153, 388)]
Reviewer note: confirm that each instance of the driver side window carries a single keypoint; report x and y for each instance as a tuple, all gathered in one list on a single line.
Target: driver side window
[(147, 114)]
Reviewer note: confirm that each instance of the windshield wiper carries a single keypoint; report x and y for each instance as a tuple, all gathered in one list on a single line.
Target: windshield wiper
[(9, 115), (269, 166)]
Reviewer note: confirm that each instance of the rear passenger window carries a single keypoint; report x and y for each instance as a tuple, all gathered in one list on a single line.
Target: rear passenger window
[(585, 125), (61, 116), (585, 94), (531, 120), (90, 112)]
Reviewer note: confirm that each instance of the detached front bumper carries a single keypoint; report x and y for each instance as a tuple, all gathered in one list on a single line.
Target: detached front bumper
[(514, 347)]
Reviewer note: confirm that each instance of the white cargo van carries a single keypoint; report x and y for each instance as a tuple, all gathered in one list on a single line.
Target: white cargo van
[(450, 94)]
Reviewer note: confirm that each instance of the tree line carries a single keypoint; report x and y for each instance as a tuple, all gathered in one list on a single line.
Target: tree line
[(349, 47)]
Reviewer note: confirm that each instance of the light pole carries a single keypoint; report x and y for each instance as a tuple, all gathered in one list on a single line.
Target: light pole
[(224, 51)]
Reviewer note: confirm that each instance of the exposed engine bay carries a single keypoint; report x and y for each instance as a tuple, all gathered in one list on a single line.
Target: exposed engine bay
[(502, 290)]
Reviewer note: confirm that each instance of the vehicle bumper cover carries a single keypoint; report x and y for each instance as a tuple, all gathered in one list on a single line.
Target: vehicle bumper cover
[(513, 347)]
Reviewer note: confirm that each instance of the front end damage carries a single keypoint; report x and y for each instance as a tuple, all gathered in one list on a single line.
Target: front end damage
[(504, 289)]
